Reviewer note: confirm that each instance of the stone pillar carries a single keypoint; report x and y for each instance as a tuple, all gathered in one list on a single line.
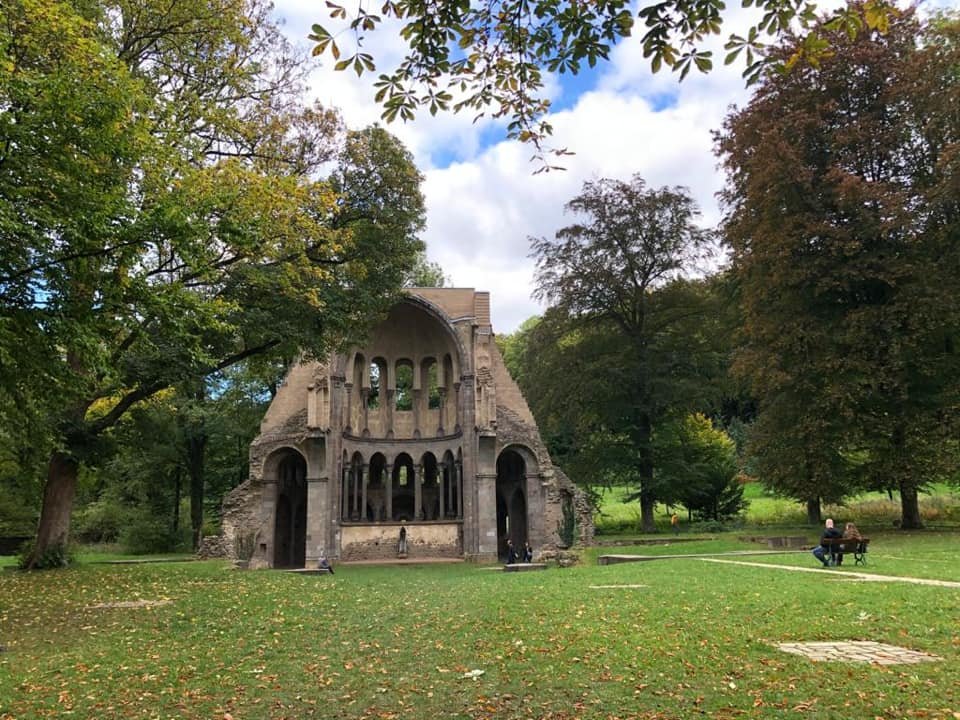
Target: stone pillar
[(268, 520), (417, 398), (456, 407), (417, 492), (391, 399), (459, 480), (534, 492), (389, 491), (440, 490), (487, 514), (312, 406), (365, 475), (318, 514), (442, 410), (355, 475), (365, 412), (349, 409)]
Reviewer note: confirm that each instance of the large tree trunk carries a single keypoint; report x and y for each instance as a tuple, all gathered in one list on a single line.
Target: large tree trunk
[(909, 507), (54, 529), (648, 500), (813, 511), (196, 453)]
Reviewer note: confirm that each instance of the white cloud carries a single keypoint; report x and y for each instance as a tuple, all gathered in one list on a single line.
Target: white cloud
[(483, 207)]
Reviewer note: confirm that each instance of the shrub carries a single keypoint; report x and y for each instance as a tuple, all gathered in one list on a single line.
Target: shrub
[(145, 535), (57, 556)]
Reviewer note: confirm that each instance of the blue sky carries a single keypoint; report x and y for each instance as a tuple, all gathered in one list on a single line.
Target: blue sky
[(483, 201)]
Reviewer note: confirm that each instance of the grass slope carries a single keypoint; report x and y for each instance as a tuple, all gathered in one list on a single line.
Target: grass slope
[(395, 642)]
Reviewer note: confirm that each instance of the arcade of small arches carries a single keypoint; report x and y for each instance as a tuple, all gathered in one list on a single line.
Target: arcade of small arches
[(391, 489), (399, 397)]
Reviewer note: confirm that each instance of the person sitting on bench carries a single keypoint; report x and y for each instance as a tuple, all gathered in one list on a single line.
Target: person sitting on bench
[(829, 531), (850, 532)]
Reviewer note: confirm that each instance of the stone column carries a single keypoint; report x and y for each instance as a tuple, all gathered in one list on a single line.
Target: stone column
[(534, 492), (456, 407), (442, 409), (349, 409), (389, 491), (268, 520), (365, 411), (391, 399), (355, 473), (365, 475), (417, 398), (417, 492), (458, 474), (487, 514), (317, 518), (345, 502), (440, 490)]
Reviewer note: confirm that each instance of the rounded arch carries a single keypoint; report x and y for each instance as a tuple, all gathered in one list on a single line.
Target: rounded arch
[(460, 362), (403, 492), (376, 506), (512, 521), (431, 482), (289, 473)]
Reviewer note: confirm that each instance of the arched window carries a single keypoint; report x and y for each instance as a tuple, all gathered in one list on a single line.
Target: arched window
[(433, 386), (377, 376), (404, 385)]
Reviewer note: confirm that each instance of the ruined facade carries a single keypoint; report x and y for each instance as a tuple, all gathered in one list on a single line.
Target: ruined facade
[(422, 432)]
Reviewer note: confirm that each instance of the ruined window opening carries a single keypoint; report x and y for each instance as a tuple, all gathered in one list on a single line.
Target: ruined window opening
[(433, 387), (404, 385), (373, 399)]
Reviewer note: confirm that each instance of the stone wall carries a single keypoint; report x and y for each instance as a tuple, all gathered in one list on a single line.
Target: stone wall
[(380, 542)]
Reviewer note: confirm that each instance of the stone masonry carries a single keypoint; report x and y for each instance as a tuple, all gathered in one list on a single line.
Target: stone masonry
[(421, 433)]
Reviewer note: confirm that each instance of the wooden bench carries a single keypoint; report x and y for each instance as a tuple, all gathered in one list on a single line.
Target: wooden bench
[(838, 547)]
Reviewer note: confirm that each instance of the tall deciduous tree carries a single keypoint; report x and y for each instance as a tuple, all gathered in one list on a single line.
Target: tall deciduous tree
[(163, 214), (490, 57), (614, 281), (842, 215)]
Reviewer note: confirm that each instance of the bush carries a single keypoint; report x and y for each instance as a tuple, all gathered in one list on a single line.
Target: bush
[(145, 535), (100, 521), (58, 556)]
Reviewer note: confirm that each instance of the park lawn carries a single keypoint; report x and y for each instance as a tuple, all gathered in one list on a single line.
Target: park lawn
[(696, 638)]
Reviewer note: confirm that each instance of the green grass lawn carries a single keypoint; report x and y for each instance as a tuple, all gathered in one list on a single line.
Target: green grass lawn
[(940, 507), (395, 642)]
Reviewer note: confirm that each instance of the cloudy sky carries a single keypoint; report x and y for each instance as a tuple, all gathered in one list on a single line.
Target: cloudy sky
[(484, 203)]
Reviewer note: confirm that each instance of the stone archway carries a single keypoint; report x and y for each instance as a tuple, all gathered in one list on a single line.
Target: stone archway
[(511, 501), (290, 516)]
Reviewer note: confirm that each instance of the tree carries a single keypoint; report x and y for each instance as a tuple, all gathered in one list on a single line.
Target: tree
[(425, 273), (839, 218), (490, 57), (163, 214), (697, 465), (619, 307)]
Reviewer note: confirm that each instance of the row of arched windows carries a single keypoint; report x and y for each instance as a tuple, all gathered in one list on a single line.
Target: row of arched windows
[(382, 490)]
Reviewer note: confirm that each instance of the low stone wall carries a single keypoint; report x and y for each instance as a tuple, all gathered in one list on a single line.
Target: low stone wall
[(380, 542)]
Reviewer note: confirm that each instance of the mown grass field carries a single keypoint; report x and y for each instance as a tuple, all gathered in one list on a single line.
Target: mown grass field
[(694, 640), (940, 508)]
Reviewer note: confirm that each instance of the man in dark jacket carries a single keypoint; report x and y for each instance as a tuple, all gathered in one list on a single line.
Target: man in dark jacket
[(829, 531)]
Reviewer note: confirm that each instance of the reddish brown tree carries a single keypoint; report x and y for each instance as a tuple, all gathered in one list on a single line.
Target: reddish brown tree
[(839, 218)]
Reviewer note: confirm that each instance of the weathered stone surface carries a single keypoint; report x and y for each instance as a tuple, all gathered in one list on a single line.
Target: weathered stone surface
[(423, 425)]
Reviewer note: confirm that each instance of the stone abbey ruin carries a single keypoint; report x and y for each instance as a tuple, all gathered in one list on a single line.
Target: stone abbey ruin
[(422, 432)]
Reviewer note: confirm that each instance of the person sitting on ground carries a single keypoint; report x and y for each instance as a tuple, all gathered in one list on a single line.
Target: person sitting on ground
[(324, 564), (527, 552), (511, 553), (829, 531)]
